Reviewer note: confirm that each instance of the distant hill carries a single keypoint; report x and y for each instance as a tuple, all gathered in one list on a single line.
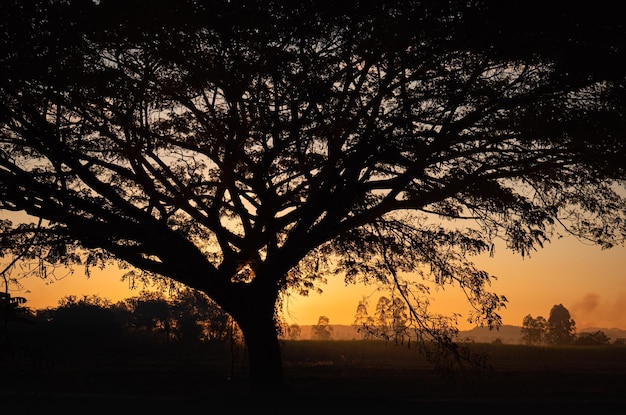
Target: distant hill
[(507, 334)]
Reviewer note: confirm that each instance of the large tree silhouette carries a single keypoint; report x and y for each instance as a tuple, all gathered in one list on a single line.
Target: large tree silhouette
[(247, 148), (560, 327)]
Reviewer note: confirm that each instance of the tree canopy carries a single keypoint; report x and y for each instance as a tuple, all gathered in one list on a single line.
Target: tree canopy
[(246, 148), (533, 330), (560, 327)]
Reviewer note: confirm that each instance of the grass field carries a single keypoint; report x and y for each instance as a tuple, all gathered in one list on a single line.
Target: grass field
[(356, 374)]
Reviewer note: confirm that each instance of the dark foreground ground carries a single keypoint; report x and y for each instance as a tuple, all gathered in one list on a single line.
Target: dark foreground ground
[(324, 376)]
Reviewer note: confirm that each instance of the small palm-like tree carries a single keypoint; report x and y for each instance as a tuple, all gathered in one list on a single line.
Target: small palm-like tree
[(10, 311)]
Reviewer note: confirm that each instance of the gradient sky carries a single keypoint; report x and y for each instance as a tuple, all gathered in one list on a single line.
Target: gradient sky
[(588, 281)]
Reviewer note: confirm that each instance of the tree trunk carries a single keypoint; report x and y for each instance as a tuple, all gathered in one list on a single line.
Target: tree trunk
[(264, 354)]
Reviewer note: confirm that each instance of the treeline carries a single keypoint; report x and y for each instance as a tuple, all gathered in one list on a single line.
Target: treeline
[(190, 319), (83, 325), (560, 330)]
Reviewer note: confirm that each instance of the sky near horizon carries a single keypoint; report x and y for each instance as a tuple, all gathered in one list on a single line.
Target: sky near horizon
[(588, 281)]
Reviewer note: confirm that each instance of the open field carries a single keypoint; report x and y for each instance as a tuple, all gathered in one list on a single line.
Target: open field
[(356, 374)]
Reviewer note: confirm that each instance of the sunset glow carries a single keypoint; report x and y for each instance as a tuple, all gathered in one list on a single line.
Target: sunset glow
[(588, 281)]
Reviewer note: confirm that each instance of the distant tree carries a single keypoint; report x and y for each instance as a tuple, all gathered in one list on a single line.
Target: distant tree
[(363, 322), (151, 311), (188, 327), (391, 319), (197, 318), (294, 332), (561, 328), (383, 317), (220, 325), (11, 311), (11, 308), (534, 330), (186, 315), (235, 147), (290, 332), (86, 321), (322, 330), (399, 320), (361, 316), (597, 338)]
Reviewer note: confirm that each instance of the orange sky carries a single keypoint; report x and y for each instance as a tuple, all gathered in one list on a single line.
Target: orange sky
[(589, 282)]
